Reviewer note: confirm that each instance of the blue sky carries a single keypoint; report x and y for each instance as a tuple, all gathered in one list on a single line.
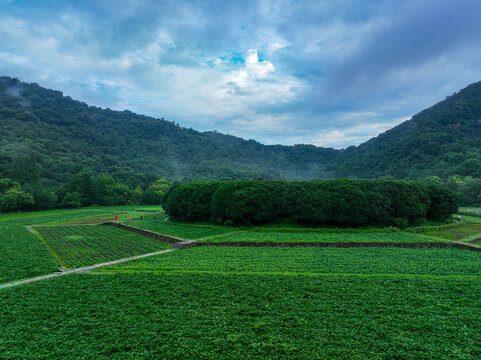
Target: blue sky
[(328, 73)]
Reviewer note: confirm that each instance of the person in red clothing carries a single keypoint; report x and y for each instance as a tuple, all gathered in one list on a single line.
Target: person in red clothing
[(116, 218), (130, 218)]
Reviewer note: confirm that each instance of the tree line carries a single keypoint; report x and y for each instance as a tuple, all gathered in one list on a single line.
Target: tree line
[(84, 189), (340, 201)]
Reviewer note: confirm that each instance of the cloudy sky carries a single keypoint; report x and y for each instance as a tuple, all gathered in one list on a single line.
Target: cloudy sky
[(329, 73)]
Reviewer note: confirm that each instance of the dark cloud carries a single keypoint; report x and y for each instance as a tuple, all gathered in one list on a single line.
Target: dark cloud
[(324, 71)]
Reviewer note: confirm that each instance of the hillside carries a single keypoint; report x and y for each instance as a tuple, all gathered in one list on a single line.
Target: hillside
[(442, 140), (65, 135), (47, 135)]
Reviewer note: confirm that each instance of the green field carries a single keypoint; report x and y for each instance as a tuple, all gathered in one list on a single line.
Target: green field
[(214, 302), (470, 211), (23, 255), (184, 231), (256, 236), (452, 232), (77, 246), (311, 261), (212, 316)]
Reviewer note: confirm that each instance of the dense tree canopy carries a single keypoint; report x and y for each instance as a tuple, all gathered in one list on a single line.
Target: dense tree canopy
[(340, 201)]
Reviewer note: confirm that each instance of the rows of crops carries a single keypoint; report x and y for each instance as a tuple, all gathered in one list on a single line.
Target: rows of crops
[(470, 211), (257, 236), (86, 245), (23, 255), (210, 316), (301, 260), (453, 232), (184, 231)]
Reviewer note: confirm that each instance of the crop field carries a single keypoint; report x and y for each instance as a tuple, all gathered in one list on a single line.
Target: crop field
[(256, 236), (23, 255), (311, 261), (453, 232), (78, 246), (206, 316), (184, 231), (470, 211), (218, 302)]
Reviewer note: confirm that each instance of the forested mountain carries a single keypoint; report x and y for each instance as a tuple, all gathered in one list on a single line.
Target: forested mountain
[(45, 135), (56, 136), (442, 140)]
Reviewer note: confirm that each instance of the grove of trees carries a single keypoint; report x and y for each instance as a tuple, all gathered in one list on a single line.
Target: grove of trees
[(340, 201)]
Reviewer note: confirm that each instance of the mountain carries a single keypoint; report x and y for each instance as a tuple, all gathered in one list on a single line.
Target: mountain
[(442, 140), (46, 135), (63, 136)]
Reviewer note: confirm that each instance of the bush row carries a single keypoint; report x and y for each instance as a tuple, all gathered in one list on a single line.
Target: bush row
[(339, 201)]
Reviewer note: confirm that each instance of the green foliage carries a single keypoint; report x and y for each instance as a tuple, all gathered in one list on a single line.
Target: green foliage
[(25, 169), (260, 236), (22, 255), (341, 201), (184, 231), (190, 201), (311, 261), (211, 316), (12, 197), (72, 200), (78, 246), (467, 188), (67, 136), (155, 192), (43, 197), (450, 232)]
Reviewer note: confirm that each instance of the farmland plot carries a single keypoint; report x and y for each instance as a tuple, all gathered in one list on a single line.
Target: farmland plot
[(78, 246), (184, 231), (23, 255), (257, 236), (211, 316), (311, 261)]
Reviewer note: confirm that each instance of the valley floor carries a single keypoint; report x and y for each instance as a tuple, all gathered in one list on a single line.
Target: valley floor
[(235, 302)]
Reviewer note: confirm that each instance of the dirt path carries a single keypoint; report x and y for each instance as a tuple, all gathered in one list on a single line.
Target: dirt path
[(82, 269)]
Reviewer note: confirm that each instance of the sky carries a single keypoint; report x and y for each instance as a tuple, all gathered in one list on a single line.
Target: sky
[(329, 73)]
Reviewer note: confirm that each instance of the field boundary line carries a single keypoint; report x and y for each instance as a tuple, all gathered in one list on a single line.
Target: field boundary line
[(145, 232), (82, 269), (57, 257), (221, 235), (406, 245), (281, 273)]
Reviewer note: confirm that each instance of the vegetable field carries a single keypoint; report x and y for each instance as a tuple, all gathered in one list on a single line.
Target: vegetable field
[(453, 232), (219, 302), (23, 255), (256, 236), (211, 316), (184, 231), (78, 246), (311, 261)]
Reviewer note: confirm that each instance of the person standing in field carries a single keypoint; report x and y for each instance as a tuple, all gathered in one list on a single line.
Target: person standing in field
[(155, 216), (116, 218), (130, 218)]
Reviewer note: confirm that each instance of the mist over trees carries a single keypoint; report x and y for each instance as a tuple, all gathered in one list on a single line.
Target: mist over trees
[(65, 153)]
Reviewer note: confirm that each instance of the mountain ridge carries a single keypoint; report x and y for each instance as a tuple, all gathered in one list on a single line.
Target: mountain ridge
[(64, 135)]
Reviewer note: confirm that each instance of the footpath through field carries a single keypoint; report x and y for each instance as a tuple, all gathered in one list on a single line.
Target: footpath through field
[(82, 269), (178, 245)]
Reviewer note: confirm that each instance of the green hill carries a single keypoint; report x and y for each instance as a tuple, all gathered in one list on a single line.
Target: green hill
[(46, 135), (442, 140), (65, 135)]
